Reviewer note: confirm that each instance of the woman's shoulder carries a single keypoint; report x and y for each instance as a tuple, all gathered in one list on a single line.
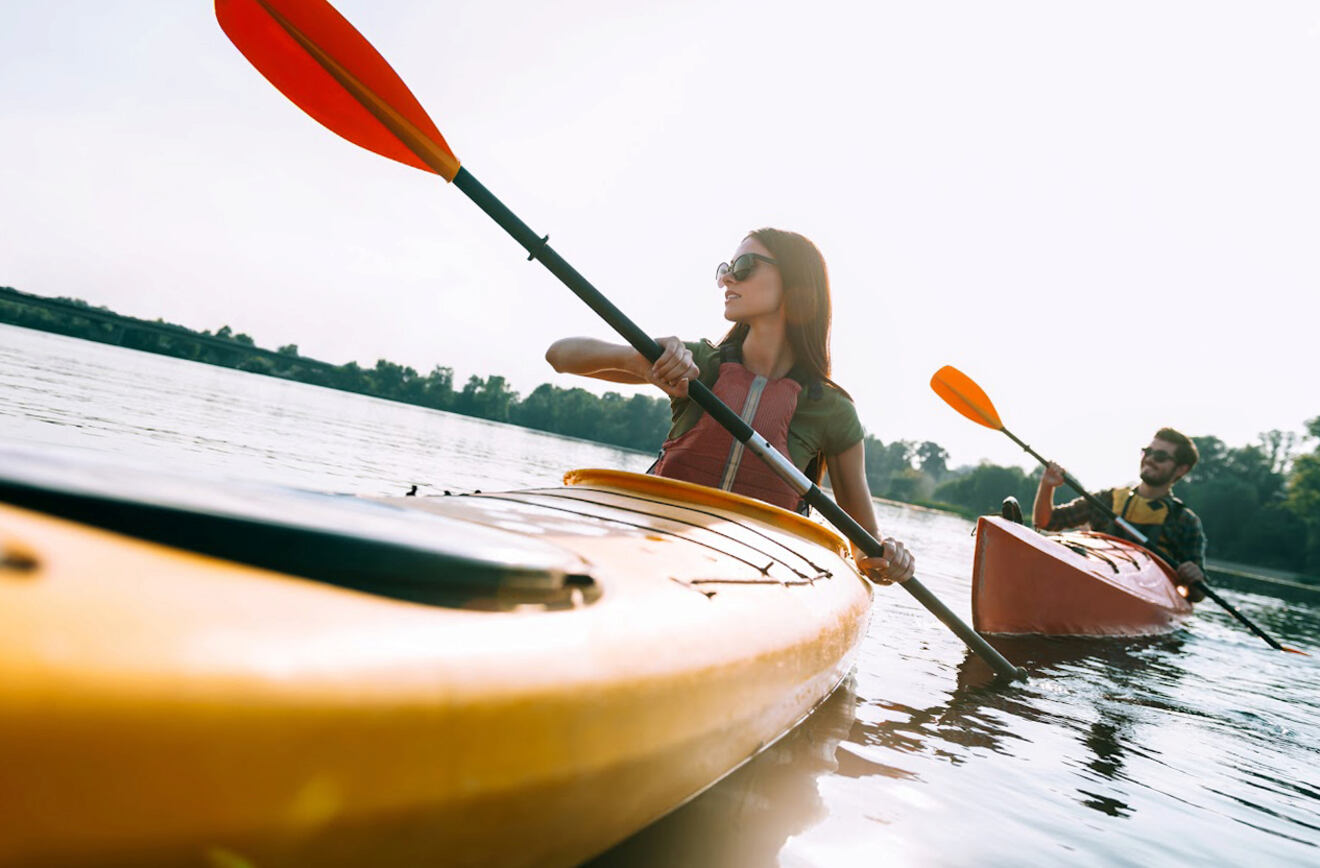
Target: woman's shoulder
[(832, 415), (835, 394), (706, 356), (825, 399)]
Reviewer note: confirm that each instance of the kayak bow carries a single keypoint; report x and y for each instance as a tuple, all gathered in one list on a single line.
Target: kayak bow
[(160, 706), (1069, 584)]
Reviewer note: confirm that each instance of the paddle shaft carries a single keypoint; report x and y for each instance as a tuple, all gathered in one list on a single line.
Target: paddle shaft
[(1154, 547), (1077, 487), (1210, 592), (537, 248)]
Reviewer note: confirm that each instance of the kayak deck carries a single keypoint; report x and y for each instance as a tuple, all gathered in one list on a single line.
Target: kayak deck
[(160, 706), (1069, 584)]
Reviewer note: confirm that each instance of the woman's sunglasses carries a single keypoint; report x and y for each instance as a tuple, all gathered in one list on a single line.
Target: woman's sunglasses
[(1157, 455), (741, 268)]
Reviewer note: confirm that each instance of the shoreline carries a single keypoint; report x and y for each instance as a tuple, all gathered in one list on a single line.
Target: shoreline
[(1248, 576)]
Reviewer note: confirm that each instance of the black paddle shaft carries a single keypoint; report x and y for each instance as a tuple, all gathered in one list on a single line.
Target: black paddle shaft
[(1154, 547), (1072, 483), (537, 248)]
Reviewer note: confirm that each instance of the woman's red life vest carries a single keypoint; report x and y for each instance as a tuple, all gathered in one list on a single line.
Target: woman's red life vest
[(709, 455)]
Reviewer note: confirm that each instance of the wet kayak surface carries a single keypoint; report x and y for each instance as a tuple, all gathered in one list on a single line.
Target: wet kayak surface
[(1198, 746)]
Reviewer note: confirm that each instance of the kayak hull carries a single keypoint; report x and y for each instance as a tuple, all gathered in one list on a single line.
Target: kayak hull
[(1072, 584), (163, 707)]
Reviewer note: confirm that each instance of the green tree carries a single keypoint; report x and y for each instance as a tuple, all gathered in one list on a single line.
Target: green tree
[(646, 420), (1238, 494), (638, 422), (397, 382), (1280, 448), (351, 378), (1303, 500), (438, 388), (909, 485), (933, 459), (537, 410), (886, 463), (983, 489), (490, 398), (579, 414), (257, 365), (1212, 464)]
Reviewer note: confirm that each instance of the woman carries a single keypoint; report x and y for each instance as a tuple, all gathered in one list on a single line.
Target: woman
[(773, 369)]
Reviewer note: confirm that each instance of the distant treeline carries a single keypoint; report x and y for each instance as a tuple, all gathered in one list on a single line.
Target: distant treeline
[(1260, 503), (637, 422)]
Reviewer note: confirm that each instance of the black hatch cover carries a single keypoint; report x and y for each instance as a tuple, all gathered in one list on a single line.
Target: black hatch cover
[(341, 539)]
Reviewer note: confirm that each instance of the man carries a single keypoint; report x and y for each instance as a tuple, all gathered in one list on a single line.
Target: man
[(1150, 507)]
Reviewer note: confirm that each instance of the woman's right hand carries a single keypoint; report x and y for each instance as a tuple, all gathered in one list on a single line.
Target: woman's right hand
[(674, 369), (1053, 476)]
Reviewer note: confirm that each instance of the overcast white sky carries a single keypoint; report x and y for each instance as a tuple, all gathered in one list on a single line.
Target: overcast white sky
[(1107, 213)]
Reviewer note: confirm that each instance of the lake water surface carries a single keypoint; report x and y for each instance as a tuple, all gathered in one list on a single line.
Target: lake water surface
[(1199, 747)]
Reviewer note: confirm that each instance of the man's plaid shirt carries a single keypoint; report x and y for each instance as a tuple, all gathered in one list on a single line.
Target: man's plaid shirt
[(1181, 534)]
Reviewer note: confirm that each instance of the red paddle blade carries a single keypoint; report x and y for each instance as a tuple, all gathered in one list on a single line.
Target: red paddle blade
[(961, 393), (318, 60)]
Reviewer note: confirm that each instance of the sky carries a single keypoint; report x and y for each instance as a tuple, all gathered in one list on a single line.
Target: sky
[(1107, 214)]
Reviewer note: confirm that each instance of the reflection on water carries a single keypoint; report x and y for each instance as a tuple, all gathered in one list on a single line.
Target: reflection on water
[(746, 820), (1111, 727), (1200, 746)]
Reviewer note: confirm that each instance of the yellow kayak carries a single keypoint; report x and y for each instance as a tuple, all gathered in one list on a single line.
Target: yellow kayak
[(514, 678)]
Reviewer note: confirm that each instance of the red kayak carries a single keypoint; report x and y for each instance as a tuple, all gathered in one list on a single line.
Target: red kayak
[(1069, 584)]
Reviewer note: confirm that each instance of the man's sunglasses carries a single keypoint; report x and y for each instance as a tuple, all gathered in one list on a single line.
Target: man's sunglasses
[(1157, 455), (741, 268)]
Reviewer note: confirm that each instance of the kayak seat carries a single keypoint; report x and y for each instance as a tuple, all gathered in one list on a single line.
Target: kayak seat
[(1011, 510)]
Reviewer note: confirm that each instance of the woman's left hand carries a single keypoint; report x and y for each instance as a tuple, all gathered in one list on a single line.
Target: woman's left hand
[(897, 565)]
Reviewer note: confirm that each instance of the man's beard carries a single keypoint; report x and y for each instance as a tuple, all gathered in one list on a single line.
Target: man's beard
[(1152, 476)]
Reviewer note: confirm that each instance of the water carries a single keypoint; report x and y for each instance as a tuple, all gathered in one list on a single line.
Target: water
[(1201, 746)]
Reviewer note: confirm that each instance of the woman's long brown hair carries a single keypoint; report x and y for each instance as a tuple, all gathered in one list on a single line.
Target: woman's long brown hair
[(806, 301)]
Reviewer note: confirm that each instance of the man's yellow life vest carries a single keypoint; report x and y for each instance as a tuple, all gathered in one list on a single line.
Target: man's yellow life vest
[(1147, 516)]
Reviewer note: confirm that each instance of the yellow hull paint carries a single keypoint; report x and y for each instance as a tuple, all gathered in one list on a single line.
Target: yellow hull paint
[(161, 707)]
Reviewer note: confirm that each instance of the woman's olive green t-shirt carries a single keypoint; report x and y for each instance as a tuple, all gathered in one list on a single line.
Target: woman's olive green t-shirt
[(825, 420)]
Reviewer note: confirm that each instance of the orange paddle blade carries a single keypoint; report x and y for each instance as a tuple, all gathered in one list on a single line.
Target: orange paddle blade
[(961, 393), (317, 59)]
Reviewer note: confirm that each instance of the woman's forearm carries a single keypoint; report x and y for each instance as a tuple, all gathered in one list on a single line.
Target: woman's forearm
[(596, 358), (848, 476)]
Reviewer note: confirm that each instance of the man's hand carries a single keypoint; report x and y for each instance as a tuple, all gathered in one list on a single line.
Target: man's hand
[(1190, 573), (1191, 577), (1043, 507)]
